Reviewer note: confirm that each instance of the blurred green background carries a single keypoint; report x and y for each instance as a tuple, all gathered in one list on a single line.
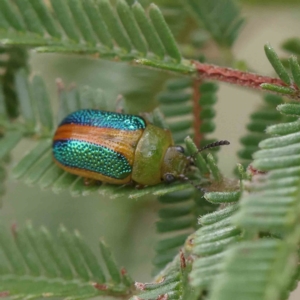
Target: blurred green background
[(128, 226)]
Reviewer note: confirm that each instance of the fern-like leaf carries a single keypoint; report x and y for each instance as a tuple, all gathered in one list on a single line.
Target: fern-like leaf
[(221, 18), (195, 267), (212, 240), (264, 116), (290, 82), (192, 102), (34, 265), (13, 59), (271, 206), (173, 281), (184, 100), (175, 15), (91, 27)]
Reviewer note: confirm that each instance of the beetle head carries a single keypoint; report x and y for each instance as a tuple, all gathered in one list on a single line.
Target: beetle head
[(174, 164)]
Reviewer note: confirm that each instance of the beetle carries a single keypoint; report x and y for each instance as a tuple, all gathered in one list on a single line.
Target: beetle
[(119, 149)]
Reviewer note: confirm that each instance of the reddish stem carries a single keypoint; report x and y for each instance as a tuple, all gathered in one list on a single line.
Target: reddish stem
[(140, 286), (162, 297), (182, 260), (100, 287), (197, 111), (4, 294), (235, 76)]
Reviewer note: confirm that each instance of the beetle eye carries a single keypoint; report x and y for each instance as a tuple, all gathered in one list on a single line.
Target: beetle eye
[(179, 149), (169, 178)]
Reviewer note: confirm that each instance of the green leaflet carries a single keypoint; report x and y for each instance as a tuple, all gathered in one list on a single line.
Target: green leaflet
[(271, 206), (33, 262), (259, 120), (221, 18), (211, 242), (90, 27), (290, 81), (13, 59), (185, 99)]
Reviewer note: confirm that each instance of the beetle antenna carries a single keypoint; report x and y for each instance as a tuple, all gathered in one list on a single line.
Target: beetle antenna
[(196, 186), (212, 145)]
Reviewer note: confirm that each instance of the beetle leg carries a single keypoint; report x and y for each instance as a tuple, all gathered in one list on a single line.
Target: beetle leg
[(140, 186), (182, 177), (90, 182)]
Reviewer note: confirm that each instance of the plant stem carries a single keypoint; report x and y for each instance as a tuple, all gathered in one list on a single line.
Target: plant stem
[(197, 111), (241, 78)]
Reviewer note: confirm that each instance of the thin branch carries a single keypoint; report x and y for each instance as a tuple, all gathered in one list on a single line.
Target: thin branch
[(198, 137), (242, 78), (234, 76)]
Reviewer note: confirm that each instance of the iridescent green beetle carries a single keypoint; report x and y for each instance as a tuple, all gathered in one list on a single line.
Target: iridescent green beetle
[(119, 149)]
